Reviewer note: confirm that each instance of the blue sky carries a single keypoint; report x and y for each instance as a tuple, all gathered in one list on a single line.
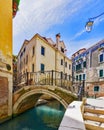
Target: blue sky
[(67, 17)]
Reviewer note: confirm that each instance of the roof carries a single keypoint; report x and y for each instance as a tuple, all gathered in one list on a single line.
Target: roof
[(24, 43), (79, 51), (92, 48), (48, 41)]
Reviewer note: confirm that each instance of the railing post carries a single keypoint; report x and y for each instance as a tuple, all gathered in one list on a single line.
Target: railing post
[(80, 91), (83, 89), (52, 77), (61, 74), (55, 77), (27, 78)]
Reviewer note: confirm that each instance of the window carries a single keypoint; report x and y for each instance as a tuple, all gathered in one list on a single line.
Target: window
[(100, 73), (32, 67), (80, 77), (96, 88), (33, 51), (62, 49), (42, 68), (61, 61), (69, 66), (78, 67), (77, 78), (84, 64), (27, 59), (65, 64), (42, 51), (84, 76), (61, 75), (101, 58), (24, 50)]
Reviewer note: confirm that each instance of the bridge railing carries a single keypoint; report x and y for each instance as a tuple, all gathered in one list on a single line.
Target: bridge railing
[(79, 88), (46, 78), (53, 78)]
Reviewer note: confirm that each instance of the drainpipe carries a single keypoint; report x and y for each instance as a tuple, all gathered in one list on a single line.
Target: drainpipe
[(64, 64), (55, 64)]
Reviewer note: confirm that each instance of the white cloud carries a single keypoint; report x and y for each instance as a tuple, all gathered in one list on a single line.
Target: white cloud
[(81, 44), (98, 20), (37, 16), (78, 34), (42, 14)]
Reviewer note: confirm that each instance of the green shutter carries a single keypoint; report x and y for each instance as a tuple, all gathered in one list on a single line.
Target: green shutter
[(96, 88), (77, 78), (100, 73), (80, 77), (84, 64)]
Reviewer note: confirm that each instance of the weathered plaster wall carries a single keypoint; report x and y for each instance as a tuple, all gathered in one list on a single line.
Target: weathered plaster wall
[(5, 59)]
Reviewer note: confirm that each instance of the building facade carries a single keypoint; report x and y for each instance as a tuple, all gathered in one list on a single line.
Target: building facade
[(88, 65), (42, 54), (5, 60)]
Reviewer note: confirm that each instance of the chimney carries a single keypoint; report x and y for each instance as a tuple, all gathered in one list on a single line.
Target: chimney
[(57, 38)]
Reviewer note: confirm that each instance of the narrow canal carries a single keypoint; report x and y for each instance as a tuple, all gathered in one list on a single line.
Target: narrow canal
[(43, 117)]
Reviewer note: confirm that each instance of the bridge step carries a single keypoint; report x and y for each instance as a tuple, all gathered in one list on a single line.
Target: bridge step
[(94, 111), (92, 127), (93, 115)]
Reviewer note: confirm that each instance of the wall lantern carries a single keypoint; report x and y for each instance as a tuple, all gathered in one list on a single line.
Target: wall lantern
[(89, 24)]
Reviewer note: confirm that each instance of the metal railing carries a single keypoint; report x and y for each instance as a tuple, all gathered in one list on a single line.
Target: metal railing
[(52, 78), (45, 78)]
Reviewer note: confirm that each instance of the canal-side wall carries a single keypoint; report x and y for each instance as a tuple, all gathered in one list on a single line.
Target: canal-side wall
[(72, 118)]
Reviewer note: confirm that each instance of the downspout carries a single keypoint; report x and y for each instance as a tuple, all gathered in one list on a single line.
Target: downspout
[(64, 64)]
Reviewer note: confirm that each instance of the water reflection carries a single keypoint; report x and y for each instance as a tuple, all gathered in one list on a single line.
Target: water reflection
[(44, 117)]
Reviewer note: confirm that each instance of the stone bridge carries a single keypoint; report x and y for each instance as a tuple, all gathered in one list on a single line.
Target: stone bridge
[(27, 97)]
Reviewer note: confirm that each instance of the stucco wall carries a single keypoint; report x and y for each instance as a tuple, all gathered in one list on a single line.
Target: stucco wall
[(51, 59), (48, 59), (5, 59)]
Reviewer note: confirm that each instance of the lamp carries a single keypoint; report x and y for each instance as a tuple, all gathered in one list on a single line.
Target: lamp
[(89, 24)]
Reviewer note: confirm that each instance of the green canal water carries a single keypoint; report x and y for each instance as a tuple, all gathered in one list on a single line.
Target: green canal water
[(44, 117)]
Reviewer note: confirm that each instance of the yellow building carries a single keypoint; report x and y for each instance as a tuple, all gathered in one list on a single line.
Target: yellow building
[(5, 59), (42, 54)]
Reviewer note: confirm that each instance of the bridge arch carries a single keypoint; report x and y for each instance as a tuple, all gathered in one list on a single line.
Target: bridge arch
[(29, 99)]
